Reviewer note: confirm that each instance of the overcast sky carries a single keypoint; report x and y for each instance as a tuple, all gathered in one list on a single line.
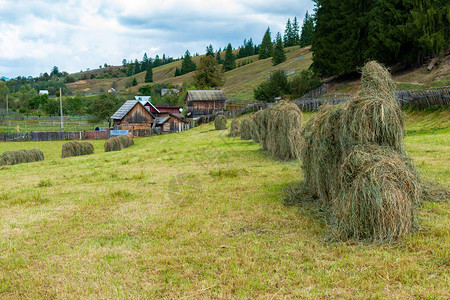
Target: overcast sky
[(36, 35)]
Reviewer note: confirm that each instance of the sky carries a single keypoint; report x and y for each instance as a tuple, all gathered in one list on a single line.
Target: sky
[(36, 35)]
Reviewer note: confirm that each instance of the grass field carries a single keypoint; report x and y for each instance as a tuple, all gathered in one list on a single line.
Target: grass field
[(199, 215)]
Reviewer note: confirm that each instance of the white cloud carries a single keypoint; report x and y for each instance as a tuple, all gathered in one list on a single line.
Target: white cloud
[(35, 35)]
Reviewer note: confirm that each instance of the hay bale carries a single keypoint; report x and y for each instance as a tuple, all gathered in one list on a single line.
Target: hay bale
[(117, 143), (321, 150), (282, 138), (246, 128), (377, 81), (220, 122), (376, 195), (20, 156), (235, 128), (74, 148), (257, 126)]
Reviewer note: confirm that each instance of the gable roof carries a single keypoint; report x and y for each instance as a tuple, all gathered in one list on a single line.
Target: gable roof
[(125, 108), (161, 120), (206, 95)]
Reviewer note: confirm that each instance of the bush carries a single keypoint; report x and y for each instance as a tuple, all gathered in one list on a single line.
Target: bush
[(70, 149), (303, 83), (20, 156), (276, 86), (220, 122)]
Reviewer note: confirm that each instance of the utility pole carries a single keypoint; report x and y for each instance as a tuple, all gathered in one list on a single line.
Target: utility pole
[(60, 106), (6, 103)]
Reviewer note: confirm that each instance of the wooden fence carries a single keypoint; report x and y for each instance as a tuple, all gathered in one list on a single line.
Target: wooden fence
[(432, 97), (314, 104), (52, 136)]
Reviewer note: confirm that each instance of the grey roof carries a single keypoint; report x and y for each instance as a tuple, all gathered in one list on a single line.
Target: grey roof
[(124, 109), (161, 120), (207, 95)]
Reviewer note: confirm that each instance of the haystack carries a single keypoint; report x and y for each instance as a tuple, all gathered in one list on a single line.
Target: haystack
[(220, 122), (20, 156), (257, 126), (235, 128), (283, 136), (321, 150), (376, 195), (117, 143), (246, 128), (74, 148)]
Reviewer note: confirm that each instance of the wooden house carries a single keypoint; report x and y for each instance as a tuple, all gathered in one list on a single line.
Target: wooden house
[(170, 109), (169, 122), (204, 102), (133, 115)]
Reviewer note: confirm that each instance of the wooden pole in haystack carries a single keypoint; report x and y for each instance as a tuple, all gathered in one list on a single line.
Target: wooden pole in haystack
[(60, 107)]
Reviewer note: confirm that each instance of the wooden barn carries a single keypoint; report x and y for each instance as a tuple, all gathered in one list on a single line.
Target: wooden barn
[(169, 122), (133, 115), (204, 102), (163, 108)]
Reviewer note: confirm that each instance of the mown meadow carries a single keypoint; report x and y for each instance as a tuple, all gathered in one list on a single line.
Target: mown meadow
[(200, 215)]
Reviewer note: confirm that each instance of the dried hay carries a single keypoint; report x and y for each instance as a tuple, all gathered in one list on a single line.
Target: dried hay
[(235, 128), (375, 197), (321, 150), (283, 131), (257, 130), (117, 143), (246, 128), (20, 156), (220, 122), (376, 80), (70, 149)]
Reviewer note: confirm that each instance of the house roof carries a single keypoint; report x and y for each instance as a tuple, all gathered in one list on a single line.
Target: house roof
[(125, 108), (206, 95), (161, 120)]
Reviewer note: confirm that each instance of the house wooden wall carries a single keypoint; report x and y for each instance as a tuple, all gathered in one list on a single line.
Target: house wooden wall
[(137, 118), (173, 124)]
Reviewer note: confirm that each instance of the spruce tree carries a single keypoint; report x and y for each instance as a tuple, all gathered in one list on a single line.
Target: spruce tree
[(208, 73), (307, 31), (279, 54), (149, 73), (288, 34), (187, 65), (177, 72), (218, 58), (144, 62), (266, 48), (137, 67), (210, 50), (295, 32), (229, 62)]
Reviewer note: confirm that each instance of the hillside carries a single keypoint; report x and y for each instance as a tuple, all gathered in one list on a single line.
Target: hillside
[(240, 82)]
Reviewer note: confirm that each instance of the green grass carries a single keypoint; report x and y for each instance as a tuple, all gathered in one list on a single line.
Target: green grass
[(198, 214)]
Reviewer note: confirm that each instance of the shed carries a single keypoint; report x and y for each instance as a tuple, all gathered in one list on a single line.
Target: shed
[(133, 115), (205, 102), (170, 122)]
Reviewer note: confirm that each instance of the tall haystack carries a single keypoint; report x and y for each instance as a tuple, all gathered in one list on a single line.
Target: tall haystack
[(235, 128), (376, 194), (258, 128), (20, 156), (74, 148), (283, 136), (220, 122), (246, 128), (321, 151)]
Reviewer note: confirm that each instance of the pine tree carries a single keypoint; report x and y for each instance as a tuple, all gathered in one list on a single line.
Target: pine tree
[(149, 73), (266, 48), (307, 31), (210, 50), (218, 58), (157, 62), (144, 62), (229, 63), (288, 34), (208, 73), (279, 54), (295, 32), (137, 66), (177, 72), (187, 65)]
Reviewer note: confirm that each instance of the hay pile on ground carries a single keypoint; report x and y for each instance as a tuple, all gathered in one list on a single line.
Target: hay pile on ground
[(235, 128), (220, 122), (375, 195), (246, 128), (258, 129), (282, 134), (353, 158), (70, 149), (117, 143), (20, 156)]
